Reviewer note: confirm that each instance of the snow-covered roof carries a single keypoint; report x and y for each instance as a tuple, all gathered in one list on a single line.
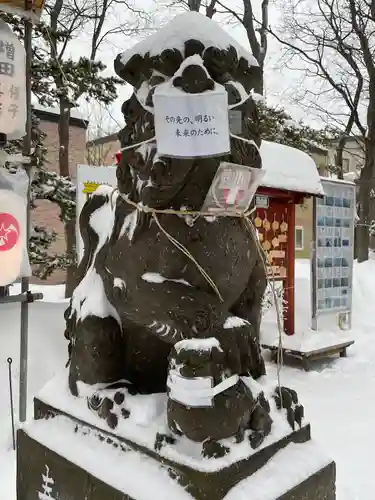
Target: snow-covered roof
[(349, 178), (74, 113), (289, 169), (183, 27)]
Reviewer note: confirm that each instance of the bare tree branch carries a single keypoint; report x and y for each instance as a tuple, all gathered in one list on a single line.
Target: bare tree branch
[(334, 40)]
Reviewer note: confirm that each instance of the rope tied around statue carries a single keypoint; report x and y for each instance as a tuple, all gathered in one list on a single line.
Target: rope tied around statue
[(246, 218)]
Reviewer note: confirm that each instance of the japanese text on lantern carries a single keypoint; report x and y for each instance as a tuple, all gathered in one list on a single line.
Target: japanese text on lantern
[(12, 84), (192, 126), (8, 93), (7, 49)]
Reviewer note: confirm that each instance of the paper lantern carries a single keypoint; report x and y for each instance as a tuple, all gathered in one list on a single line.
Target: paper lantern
[(12, 84), (12, 236)]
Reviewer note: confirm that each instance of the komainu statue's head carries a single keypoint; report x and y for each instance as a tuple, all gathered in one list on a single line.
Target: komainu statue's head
[(194, 55)]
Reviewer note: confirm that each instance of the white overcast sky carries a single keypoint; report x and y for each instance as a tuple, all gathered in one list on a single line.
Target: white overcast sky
[(278, 82)]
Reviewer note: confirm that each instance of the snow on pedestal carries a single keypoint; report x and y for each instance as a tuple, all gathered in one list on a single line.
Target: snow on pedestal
[(288, 468), (148, 418), (125, 468)]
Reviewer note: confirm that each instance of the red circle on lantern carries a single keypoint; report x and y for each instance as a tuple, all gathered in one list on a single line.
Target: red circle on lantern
[(9, 231)]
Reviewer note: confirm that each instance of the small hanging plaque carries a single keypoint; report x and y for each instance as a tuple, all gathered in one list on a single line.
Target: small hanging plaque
[(232, 189), (235, 121)]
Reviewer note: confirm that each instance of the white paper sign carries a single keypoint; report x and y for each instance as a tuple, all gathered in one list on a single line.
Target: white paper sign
[(261, 201), (89, 178), (12, 84), (191, 125)]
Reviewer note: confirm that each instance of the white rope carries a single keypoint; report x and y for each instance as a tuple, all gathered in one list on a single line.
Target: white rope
[(271, 281), (249, 141), (137, 144), (203, 272), (147, 141)]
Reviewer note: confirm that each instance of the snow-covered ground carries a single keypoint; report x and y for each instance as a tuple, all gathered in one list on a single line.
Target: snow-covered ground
[(336, 395)]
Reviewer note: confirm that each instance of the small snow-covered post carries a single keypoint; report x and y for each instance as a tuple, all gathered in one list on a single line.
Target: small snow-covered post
[(16, 123), (25, 280), (9, 361)]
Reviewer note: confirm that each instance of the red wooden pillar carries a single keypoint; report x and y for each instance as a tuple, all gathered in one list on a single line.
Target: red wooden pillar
[(289, 282)]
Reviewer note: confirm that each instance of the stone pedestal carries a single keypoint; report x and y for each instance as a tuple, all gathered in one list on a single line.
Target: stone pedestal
[(77, 460), (66, 480)]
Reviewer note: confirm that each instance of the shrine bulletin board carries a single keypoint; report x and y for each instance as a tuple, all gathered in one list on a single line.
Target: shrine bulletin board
[(275, 224)]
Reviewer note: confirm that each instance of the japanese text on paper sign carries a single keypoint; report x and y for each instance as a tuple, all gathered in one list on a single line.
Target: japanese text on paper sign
[(198, 125)]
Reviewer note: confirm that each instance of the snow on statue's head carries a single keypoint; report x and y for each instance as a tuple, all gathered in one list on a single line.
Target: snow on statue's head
[(190, 56)]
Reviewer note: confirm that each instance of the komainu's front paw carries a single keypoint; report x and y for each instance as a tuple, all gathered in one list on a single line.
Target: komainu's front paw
[(110, 409), (214, 449), (287, 399)]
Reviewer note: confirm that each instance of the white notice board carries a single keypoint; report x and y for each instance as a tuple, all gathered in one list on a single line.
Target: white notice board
[(332, 260)]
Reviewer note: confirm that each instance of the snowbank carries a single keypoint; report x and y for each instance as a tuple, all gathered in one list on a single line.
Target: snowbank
[(336, 396)]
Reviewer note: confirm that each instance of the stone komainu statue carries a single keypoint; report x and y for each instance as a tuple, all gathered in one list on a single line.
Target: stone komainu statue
[(137, 295)]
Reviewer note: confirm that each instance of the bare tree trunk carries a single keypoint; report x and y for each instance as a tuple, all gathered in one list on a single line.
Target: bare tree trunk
[(70, 235), (259, 80), (363, 235), (339, 157), (258, 48), (367, 179), (70, 239), (355, 253), (194, 5)]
